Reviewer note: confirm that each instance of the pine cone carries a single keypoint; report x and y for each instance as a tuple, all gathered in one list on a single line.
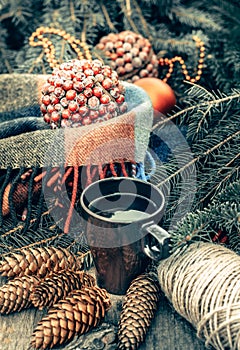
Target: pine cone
[(130, 54), (15, 295), (58, 285), (138, 310), (38, 261), (81, 92), (80, 311)]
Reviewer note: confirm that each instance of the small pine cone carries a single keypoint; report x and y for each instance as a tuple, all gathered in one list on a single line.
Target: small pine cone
[(78, 313), (58, 285), (15, 295), (138, 310), (38, 261)]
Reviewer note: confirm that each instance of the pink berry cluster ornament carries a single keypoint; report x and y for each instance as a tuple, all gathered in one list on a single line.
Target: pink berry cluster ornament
[(130, 54), (81, 92)]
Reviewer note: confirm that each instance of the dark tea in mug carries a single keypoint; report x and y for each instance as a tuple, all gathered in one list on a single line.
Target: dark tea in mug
[(124, 208), (121, 217)]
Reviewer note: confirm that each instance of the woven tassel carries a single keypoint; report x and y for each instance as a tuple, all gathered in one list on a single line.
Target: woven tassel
[(58, 285), (15, 295), (38, 261), (138, 310), (78, 313)]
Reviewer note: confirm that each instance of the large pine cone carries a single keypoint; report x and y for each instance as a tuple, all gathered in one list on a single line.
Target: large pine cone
[(138, 310), (15, 295), (130, 54), (82, 92), (38, 261), (80, 311), (58, 285)]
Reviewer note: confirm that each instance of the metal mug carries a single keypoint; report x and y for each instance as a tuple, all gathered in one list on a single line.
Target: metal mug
[(121, 218)]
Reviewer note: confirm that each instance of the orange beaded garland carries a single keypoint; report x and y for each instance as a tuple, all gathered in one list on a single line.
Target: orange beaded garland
[(170, 63), (37, 39), (82, 51)]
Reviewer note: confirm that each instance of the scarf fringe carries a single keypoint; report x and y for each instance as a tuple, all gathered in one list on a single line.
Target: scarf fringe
[(22, 190)]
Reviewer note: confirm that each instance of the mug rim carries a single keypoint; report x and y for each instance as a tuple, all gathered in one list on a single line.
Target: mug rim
[(118, 178)]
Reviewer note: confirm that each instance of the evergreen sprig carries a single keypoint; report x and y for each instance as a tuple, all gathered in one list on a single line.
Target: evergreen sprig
[(195, 18), (222, 214), (204, 163)]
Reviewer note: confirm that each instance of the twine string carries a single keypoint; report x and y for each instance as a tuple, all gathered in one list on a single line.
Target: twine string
[(203, 284)]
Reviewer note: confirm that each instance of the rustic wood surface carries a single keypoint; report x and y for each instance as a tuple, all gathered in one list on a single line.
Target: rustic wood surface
[(168, 331)]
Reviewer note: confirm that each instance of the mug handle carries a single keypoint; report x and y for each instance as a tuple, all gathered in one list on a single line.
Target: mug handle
[(161, 249)]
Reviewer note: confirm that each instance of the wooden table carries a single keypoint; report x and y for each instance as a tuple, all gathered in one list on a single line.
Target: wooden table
[(168, 331)]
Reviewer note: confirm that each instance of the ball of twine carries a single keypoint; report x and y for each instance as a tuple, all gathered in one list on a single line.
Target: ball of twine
[(202, 282)]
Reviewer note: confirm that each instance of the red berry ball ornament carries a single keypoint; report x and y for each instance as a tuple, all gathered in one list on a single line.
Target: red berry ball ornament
[(161, 94), (130, 54), (75, 93)]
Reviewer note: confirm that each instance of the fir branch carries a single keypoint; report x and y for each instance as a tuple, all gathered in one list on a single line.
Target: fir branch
[(45, 237), (108, 19), (5, 60), (215, 155), (199, 158), (161, 7), (214, 181), (36, 62), (191, 226), (229, 11), (6, 15), (72, 11), (220, 182), (207, 103), (21, 15), (226, 215), (144, 23), (195, 18), (231, 193), (232, 58), (127, 16), (24, 242), (222, 213), (20, 225)]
